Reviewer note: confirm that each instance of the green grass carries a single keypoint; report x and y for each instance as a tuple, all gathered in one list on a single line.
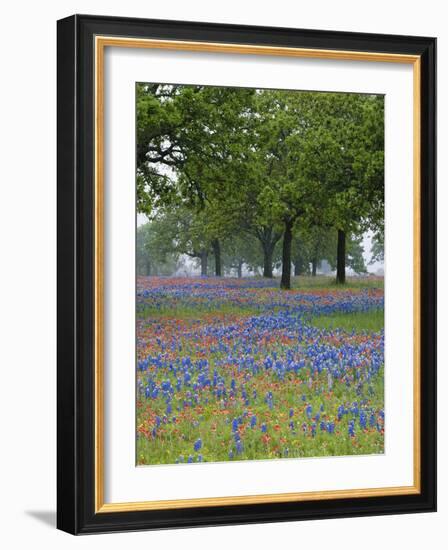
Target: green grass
[(323, 282), (372, 321), (200, 310)]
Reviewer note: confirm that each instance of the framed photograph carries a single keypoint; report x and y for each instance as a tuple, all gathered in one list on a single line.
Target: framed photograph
[(246, 274)]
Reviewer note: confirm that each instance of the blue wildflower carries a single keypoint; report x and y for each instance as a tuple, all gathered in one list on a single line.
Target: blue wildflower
[(351, 428)]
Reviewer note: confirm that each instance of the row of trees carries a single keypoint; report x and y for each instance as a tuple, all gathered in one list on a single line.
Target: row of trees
[(161, 251), (234, 174)]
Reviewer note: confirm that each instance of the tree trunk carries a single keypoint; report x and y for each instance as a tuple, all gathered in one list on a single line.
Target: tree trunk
[(217, 253), (240, 269), (145, 268), (285, 282), (268, 238), (297, 268), (313, 267), (340, 270), (204, 262), (267, 261)]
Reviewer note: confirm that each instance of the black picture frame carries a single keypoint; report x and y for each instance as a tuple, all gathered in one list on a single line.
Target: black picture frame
[(76, 271)]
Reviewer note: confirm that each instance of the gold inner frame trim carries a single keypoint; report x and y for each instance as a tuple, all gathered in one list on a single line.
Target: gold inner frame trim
[(101, 42)]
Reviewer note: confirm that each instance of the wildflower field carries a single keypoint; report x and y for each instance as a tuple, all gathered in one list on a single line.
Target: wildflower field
[(235, 369)]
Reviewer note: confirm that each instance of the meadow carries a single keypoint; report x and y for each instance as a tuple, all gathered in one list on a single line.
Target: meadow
[(236, 369)]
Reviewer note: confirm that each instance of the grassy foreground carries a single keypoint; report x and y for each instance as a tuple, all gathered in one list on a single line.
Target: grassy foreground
[(234, 369)]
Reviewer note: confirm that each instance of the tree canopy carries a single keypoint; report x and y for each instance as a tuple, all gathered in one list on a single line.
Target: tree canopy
[(255, 177)]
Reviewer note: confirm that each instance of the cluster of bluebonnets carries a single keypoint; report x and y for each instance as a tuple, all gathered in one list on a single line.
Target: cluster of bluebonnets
[(234, 369)]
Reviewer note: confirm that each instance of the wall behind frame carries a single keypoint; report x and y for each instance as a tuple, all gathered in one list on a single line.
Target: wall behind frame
[(27, 277)]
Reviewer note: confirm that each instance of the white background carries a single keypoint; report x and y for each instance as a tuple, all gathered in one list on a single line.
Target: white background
[(27, 288), (126, 483)]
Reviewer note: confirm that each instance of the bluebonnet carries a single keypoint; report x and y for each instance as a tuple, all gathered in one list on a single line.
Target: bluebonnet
[(234, 425), (351, 428), (363, 420)]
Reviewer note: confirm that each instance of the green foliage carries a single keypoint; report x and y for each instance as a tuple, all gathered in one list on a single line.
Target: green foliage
[(233, 167), (242, 250), (155, 253), (355, 259), (377, 247)]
